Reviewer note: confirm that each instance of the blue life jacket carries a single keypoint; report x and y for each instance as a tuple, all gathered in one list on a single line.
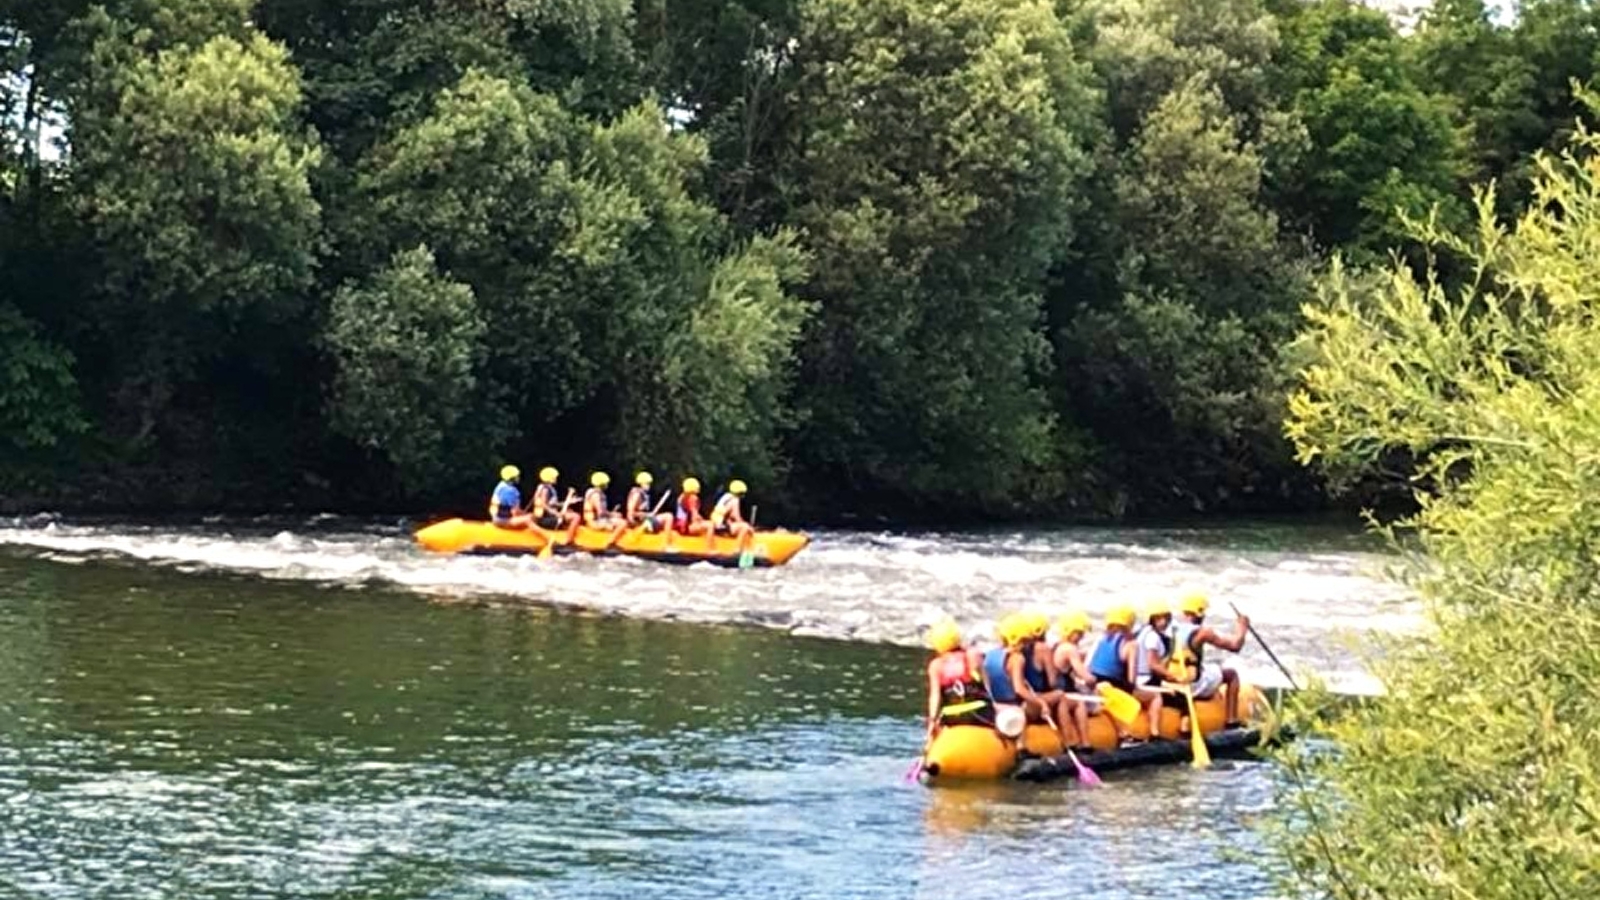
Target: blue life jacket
[(1106, 662), (504, 501), (994, 675)]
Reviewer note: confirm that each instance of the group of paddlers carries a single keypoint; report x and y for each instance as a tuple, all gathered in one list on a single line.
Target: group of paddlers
[(1050, 677), (546, 509)]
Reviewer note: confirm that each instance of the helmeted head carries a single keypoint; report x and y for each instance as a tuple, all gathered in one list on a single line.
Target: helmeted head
[(944, 636), (599, 479), (1194, 605), (1073, 625), (643, 479), (548, 474), (1009, 629), (691, 485), (737, 488), (510, 473), (1036, 623), (1120, 617), (1158, 609)]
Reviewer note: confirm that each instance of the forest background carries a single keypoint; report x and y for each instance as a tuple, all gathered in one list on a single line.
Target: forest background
[(925, 259)]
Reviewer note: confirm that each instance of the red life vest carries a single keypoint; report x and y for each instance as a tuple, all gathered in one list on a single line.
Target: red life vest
[(958, 679)]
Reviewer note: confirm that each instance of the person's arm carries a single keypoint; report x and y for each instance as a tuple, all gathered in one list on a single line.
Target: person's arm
[(935, 696), (1232, 644), (1019, 681), (1153, 660), (1078, 667)]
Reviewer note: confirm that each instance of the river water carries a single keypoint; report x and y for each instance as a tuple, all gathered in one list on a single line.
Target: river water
[(314, 708)]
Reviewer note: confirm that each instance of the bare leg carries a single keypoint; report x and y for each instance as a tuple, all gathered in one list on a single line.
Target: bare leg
[(1230, 683)]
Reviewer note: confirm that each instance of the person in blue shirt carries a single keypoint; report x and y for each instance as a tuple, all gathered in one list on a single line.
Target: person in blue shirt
[(505, 504)]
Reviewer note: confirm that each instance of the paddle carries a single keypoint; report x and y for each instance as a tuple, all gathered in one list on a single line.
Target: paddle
[(1257, 635), (549, 547), (747, 556), (1086, 775), (1122, 706), (1197, 740)]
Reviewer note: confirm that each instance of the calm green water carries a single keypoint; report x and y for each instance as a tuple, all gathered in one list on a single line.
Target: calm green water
[(165, 734)]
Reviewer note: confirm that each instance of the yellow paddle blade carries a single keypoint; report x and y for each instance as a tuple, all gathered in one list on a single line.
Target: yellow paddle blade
[(1197, 740), (549, 548), (1122, 706)]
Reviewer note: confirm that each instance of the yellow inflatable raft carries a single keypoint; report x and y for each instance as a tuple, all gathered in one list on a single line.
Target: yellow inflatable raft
[(767, 548), (963, 752)]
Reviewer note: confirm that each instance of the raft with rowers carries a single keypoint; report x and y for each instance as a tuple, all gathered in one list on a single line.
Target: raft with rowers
[(549, 524), (1034, 709)]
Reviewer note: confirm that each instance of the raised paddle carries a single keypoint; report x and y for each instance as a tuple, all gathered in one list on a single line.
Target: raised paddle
[(549, 548), (747, 556), (1257, 635)]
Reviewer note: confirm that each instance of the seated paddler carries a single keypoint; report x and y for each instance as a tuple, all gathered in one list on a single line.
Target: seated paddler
[(505, 504), (639, 512), (1113, 659), (956, 695), (1072, 671), (597, 512), (549, 510), (727, 515), (1189, 641), (1020, 672), (687, 519)]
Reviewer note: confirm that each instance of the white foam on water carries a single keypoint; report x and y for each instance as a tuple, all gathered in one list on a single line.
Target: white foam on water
[(1314, 605)]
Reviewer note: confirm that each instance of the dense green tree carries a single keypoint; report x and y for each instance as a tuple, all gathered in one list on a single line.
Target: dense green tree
[(407, 346), (1377, 146), (205, 232), (38, 394), (940, 151), (1475, 773)]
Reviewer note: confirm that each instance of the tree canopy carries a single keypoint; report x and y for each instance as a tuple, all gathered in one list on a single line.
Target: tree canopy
[(980, 257)]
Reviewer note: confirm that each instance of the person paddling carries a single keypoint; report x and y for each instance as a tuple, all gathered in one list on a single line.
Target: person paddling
[(1112, 662), (727, 517), (597, 510), (548, 510), (687, 520), (1020, 672), (1188, 664), (505, 503), (637, 509), (956, 694), (1150, 669), (1072, 671)]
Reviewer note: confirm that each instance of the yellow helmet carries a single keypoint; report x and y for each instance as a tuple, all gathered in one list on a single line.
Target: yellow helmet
[(944, 636), (1156, 608), (510, 473), (548, 474), (737, 487), (1076, 620), (1194, 605), (1120, 615), (691, 485), (1005, 628), (1036, 623), (643, 479), (599, 479)]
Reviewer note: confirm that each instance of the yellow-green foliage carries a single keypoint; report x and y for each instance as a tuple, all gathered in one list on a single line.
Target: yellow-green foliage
[(1478, 773)]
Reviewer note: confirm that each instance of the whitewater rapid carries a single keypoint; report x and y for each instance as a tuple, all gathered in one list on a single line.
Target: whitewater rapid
[(1314, 593)]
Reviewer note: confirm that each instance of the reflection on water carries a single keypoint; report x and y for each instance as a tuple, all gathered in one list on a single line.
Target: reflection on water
[(166, 735)]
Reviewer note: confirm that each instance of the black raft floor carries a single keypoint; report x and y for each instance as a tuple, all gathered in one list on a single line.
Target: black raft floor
[(1229, 743)]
